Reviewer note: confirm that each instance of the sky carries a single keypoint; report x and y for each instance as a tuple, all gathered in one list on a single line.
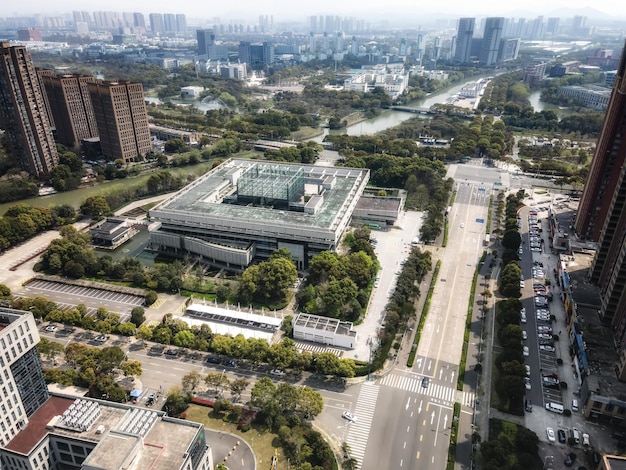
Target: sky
[(291, 10)]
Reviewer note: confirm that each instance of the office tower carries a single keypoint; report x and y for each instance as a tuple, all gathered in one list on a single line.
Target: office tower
[(20, 372), (312, 43), (122, 119), (491, 41), (156, 23), (339, 42), (42, 430), (23, 112), (465, 33), (509, 49), (256, 55), (181, 23), (71, 108), (354, 46), (313, 23), (205, 38), (601, 215)]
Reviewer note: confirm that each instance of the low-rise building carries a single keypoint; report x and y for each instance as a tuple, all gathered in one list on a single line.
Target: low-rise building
[(324, 330)]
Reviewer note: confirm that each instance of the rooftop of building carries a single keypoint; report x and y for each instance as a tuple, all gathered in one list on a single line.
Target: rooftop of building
[(115, 431), (206, 195), (614, 462), (379, 203), (317, 322)]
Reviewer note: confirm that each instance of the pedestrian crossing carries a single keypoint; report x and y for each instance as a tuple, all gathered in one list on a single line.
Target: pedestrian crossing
[(316, 348), (359, 430), (438, 392)]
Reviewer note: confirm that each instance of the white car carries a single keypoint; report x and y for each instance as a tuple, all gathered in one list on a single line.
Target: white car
[(462, 225), (101, 339), (527, 370), (522, 311), (523, 318), (50, 328), (545, 347), (526, 352), (349, 416), (527, 383), (586, 439), (550, 433), (524, 335), (277, 372)]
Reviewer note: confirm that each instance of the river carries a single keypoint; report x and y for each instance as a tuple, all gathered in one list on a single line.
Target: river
[(76, 197), (388, 118), (539, 105)]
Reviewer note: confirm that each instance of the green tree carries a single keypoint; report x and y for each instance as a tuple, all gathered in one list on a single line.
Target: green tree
[(238, 386), (132, 368), (137, 315), (95, 206), (191, 380)]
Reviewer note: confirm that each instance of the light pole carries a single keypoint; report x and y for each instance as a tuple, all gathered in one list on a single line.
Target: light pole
[(369, 361)]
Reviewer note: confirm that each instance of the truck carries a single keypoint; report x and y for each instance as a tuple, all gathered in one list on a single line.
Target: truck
[(487, 239)]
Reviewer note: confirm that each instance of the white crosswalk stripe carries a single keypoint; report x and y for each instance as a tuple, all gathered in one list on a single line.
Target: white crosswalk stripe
[(360, 429), (442, 392)]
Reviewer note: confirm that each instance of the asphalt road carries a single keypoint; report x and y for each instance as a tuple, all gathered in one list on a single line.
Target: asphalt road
[(412, 422)]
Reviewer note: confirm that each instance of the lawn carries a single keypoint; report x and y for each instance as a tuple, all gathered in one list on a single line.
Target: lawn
[(262, 441)]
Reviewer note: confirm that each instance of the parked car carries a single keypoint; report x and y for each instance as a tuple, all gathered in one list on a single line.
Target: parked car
[(171, 352), (101, 339), (570, 459), (524, 335), (561, 435), (547, 347), (230, 363), (527, 383), (550, 434), (213, 359), (277, 372), (527, 370), (544, 329), (528, 406), (526, 351), (50, 328), (585, 439)]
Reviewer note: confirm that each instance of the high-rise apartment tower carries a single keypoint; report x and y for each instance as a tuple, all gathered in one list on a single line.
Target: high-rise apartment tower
[(490, 46), (122, 119), (23, 113), (601, 214)]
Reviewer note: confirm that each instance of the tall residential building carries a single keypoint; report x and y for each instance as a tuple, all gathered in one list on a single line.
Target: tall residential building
[(20, 372), (139, 21), (169, 20), (156, 23), (23, 113), (491, 41), (553, 26), (122, 119), (71, 108), (181, 23), (601, 214), (465, 33)]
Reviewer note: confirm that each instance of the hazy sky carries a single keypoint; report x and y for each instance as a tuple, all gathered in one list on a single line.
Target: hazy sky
[(286, 9)]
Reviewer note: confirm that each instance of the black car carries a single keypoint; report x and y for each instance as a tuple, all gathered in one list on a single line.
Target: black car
[(528, 406), (425, 382), (561, 435), (171, 352), (570, 459), (230, 363), (213, 359)]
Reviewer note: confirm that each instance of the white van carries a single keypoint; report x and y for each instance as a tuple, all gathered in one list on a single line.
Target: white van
[(574, 405), (576, 435), (554, 407)]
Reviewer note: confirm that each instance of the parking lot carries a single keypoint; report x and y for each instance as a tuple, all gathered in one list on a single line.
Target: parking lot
[(85, 292)]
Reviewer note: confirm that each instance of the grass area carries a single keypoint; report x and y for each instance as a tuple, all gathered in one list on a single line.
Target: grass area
[(263, 442), (306, 133), (422, 322), (454, 433)]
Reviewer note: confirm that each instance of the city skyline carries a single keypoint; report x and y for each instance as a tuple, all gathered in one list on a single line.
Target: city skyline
[(283, 10)]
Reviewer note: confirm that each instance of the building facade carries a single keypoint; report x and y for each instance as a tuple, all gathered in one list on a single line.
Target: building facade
[(23, 112), (490, 45), (122, 119), (257, 56), (601, 215), (71, 107), (244, 210), (42, 431), (21, 377), (464, 36)]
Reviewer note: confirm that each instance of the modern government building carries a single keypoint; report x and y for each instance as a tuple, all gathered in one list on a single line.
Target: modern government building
[(243, 210)]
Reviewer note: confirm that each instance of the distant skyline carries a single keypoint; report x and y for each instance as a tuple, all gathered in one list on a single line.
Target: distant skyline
[(406, 10)]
